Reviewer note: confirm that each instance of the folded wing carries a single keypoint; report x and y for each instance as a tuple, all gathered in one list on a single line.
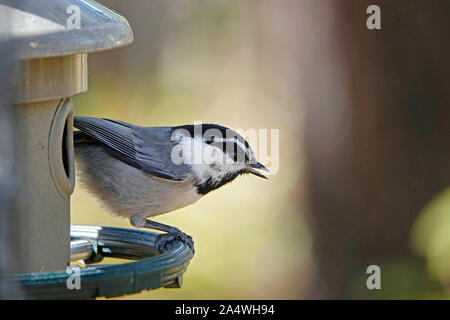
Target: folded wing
[(144, 148)]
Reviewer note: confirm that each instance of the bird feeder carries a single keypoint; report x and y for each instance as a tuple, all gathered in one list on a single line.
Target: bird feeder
[(52, 40)]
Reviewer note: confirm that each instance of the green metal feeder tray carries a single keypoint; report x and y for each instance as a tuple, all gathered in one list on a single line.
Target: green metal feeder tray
[(151, 270)]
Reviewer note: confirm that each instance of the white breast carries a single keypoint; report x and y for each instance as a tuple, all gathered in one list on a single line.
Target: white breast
[(128, 191)]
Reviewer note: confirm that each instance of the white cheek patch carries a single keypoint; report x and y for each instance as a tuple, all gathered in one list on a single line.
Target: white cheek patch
[(207, 161), (194, 151)]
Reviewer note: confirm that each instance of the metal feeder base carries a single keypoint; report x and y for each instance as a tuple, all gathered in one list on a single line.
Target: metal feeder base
[(152, 269)]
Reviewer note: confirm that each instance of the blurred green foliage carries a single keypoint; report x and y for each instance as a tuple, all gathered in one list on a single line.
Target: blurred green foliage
[(431, 239)]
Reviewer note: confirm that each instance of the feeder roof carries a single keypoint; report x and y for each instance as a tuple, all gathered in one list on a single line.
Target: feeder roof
[(35, 29)]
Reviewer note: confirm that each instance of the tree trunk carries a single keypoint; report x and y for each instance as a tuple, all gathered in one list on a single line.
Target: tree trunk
[(377, 131)]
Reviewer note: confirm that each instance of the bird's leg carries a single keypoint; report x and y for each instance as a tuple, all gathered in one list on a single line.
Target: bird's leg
[(173, 233)]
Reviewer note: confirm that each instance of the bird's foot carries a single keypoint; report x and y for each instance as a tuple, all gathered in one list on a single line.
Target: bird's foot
[(164, 238)]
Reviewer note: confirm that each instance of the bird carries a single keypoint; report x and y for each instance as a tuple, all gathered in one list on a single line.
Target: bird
[(140, 172)]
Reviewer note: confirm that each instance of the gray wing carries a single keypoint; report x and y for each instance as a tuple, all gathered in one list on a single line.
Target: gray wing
[(148, 149)]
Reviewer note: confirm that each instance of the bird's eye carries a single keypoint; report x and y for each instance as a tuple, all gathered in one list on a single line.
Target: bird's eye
[(211, 140)]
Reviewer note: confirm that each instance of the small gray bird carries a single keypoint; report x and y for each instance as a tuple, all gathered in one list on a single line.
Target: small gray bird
[(140, 172)]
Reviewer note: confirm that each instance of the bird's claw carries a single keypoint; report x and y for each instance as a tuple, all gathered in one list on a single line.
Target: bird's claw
[(164, 238)]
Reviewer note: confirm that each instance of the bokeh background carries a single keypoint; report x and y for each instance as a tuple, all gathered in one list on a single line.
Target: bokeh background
[(215, 62), (363, 141)]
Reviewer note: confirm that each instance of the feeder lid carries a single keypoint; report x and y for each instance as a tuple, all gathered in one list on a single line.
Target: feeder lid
[(50, 28)]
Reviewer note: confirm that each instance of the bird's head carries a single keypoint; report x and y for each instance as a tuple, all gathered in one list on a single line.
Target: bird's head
[(215, 154)]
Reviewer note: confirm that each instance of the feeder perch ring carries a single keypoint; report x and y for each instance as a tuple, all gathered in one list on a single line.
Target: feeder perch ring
[(151, 270)]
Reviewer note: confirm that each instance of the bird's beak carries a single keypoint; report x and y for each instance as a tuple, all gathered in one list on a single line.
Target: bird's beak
[(251, 169)]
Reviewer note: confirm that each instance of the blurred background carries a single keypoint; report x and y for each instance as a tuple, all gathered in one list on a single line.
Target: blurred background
[(216, 62), (363, 125)]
